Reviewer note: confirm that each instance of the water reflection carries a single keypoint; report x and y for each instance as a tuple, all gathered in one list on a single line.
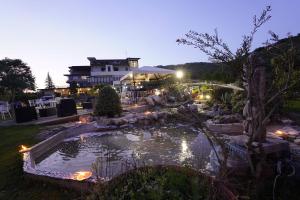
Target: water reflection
[(168, 145), (185, 151)]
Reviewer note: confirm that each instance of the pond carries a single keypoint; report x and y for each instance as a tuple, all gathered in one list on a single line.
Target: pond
[(117, 151)]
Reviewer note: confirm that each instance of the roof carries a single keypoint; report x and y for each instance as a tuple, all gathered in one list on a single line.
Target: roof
[(148, 71), (81, 67), (103, 62), (153, 70)]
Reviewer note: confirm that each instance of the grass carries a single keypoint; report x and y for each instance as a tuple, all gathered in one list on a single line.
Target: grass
[(13, 185)]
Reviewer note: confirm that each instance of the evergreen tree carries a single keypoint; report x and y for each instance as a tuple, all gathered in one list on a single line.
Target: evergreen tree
[(49, 83)]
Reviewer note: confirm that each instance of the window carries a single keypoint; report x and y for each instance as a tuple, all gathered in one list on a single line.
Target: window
[(116, 69), (108, 68), (126, 68), (133, 63), (103, 69)]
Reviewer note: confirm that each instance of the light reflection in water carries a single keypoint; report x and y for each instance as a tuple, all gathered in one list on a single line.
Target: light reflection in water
[(185, 151)]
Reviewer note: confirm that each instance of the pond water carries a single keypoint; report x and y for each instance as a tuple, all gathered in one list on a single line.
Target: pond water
[(117, 151)]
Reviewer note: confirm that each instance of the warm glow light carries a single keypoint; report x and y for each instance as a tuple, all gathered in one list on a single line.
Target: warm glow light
[(81, 175), (23, 149), (179, 74), (147, 112), (131, 75), (279, 133), (157, 92), (201, 96), (207, 97)]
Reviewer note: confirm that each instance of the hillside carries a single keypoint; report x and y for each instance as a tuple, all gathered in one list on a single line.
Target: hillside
[(205, 71)]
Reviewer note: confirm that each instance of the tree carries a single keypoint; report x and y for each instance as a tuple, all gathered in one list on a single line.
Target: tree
[(108, 102), (264, 92), (15, 76), (48, 82), (73, 88)]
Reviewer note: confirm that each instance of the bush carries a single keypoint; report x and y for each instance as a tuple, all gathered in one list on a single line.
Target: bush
[(219, 92), (178, 91), (238, 101), (108, 103), (156, 183)]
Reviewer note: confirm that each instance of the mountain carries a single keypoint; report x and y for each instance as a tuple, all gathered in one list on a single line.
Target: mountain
[(205, 71)]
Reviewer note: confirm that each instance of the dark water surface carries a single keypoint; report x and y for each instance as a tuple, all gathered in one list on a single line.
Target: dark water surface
[(172, 144)]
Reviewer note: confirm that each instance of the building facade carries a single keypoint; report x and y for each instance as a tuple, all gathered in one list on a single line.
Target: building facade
[(101, 71)]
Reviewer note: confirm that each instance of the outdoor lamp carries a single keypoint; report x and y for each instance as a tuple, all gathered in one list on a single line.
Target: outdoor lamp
[(179, 74)]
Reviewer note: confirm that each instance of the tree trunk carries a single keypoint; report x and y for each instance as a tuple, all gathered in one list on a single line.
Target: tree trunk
[(254, 110)]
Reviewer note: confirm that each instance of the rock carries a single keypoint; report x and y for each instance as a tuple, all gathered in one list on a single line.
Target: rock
[(130, 115), (85, 118), (181, 109), (155, 116), (132, 120), (149, 101), (162, 121), (157, 99), (193, 108), (124, 126), (118, 121), (146, 122), (297, 141), (171, 99)]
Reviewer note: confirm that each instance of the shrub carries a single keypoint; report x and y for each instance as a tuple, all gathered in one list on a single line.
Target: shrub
[(219, 92), (156, 183), (108, 103), (238, 101)]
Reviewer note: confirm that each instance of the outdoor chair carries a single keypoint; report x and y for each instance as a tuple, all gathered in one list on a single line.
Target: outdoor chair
[(4, 109)]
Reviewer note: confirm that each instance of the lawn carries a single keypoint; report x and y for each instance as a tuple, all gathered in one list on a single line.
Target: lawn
[(13, 185)]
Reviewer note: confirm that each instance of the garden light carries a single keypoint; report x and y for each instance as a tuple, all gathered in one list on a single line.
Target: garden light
[(179, 74), (81, 175), (23, 149), (207, 97), (157, 92)]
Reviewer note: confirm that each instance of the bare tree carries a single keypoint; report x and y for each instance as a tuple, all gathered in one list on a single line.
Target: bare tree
[(261, 101)]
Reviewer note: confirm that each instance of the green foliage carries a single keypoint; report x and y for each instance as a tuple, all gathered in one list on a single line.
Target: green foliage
[(156, 84), (48, 82), (15, 76), (226, 99), (95, 90), (108, 102), (152, 183), (218, 94), (178, 91), (73, 88), (24, 97), (238, 101)]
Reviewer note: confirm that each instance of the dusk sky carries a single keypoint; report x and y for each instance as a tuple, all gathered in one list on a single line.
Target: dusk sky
[(52, 35)]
